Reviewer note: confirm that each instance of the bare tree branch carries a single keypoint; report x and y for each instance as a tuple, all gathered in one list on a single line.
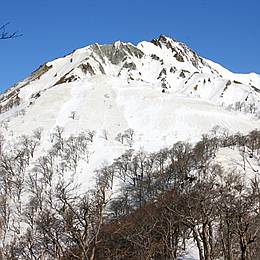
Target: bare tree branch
[(4, 34)]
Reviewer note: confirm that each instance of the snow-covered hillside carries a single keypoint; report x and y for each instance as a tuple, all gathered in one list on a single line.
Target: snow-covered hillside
[(161, 89), (75, 116)]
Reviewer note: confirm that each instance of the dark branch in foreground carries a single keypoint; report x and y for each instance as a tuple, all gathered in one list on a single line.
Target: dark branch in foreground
[(4, 35)]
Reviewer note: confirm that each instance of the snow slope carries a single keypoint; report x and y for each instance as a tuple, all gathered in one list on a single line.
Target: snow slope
[(161, 89)]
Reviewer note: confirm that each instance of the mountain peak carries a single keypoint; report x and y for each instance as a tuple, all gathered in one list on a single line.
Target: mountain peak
[(181, 52), (169, 65)]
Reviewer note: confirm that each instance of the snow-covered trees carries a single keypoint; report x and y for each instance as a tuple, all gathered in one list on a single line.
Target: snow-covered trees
[(32, 191), (126, 138), (163, 202), (187, 198)]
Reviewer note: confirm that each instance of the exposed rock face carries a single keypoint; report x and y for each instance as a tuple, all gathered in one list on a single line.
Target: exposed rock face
[(129, 65), (181, 52), (66, 78), (179, 57), (12, 102), (117, 52), (162, 73), (87, 68), (39, 72)]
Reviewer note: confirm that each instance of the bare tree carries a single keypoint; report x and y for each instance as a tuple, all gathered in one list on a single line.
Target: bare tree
[(4, 34)]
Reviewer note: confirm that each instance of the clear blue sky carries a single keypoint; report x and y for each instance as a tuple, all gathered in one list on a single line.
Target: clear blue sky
[(225, 31)]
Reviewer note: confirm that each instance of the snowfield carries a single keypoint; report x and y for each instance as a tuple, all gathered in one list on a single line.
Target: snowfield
[(161, 89)]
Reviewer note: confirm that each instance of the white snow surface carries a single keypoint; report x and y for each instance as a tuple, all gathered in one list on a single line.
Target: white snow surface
[(164, 98)]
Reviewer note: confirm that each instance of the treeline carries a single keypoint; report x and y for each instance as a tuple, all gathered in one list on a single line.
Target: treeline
[(143, 206)]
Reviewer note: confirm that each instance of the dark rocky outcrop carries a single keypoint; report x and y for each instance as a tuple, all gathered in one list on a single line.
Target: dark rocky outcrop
[(39, 72), (87, 68), (155, 57), (228, 83), (12, 102), (162, 73), (129, 65), (117, 52), (178, 57), (66, 79)]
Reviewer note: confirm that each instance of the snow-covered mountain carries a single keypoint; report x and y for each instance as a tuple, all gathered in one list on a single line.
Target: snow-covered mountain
[(161, 89), (143, 97)]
